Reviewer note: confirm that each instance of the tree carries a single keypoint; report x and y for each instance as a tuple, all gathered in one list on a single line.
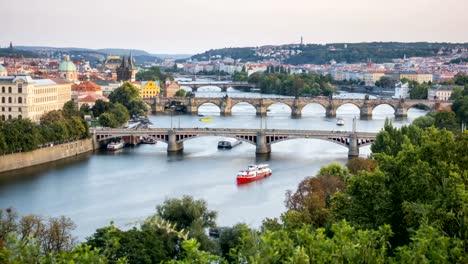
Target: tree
[(108, 120), (85, 109), (190, 215), (120, 114), (129, 96), (361, 164), (424, 121), (100, 107), (70, 109), (180, 93), (460, 107), (386, 82), (447, 120)]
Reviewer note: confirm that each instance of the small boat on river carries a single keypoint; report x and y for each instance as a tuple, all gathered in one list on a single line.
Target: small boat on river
[(116, 145), (339, 121), (228, 143), (253, 173)]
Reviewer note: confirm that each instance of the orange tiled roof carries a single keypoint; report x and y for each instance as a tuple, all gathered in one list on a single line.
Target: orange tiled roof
[(86, 86)]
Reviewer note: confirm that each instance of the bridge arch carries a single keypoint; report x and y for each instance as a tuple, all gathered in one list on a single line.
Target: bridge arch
[(248, 139), (383, 110), (209, 88), (209, 107), (420, 105), (248, 106), (348, 108), (284, 106), (314, 107)]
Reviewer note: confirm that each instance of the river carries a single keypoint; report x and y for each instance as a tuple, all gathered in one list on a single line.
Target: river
[(126, 186)]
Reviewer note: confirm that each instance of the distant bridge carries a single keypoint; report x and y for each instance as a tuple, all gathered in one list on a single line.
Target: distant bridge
[(223, 85), (366, 106), (194, 77), (261, 138)]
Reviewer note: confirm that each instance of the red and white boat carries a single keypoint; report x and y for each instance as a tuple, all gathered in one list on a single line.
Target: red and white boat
[(253, 173)]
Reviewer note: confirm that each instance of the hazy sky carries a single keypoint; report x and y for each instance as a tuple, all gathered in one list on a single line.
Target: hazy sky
[(192, 26)]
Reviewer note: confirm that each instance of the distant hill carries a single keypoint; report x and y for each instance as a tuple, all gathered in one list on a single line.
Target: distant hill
[(340, 52), (17, 53), (122, 52)]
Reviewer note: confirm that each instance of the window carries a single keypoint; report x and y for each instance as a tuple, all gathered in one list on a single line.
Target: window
[(20, 110), (3, 89), (9, 100), (9, 89), (20, 100), (20, 117), (9, 109), (20, 88), (3, 109), (3, 100), (3, 117), (9, 117)]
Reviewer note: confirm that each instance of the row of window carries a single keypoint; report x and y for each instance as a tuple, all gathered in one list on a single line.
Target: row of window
[(9, 109), (10, 100), (20, 88), (10, 117)]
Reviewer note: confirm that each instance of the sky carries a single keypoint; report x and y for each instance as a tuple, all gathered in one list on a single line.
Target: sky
[(193, 26)]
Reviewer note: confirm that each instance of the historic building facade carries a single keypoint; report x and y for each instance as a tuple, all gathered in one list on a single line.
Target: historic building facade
[(149, 89), (24, 97), (67, 70), (127, 70)]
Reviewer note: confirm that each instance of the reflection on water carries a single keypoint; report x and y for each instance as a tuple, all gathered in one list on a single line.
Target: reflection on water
[(127, 185)]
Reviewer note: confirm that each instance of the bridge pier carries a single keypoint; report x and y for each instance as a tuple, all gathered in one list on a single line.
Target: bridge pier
[(192, 107), (262, 147), (261, 110), (353, 148), (172, 144), (295, 109), (330, 111), (401, 112), (365, 111), (226, 107)]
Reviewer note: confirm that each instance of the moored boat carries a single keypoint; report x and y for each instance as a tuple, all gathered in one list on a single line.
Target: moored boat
[(253, 173), (228, 144), (116, 145), (148, 140)]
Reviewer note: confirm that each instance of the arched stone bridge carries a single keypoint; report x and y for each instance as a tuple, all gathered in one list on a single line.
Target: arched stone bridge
[(366, 106), (262, 139), (223, 85)]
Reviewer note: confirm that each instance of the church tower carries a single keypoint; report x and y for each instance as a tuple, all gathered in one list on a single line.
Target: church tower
[(127, 70)]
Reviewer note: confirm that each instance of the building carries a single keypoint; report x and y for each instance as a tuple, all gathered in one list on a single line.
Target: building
[(127, 70), (440, 92), (150, 89), (3, 71), (170, 88), (401, 90), (24, 97), (87, 92), (67, 70), (419, 77), (112, 62), (370, 78)]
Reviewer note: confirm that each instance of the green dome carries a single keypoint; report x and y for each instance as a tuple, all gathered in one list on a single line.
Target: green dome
[(67, 65), (2, 69)]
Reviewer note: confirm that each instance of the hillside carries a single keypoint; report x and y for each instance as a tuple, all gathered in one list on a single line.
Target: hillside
[(340, 52)]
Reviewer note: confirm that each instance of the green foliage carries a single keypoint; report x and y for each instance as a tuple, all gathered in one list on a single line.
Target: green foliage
[(460, 105), (180, 93), (304, 84), (424, 121), (153, 74), (386, 82), (446, 120), (108, 120), (241, 76), (418, 91), (129, 96), (189, 215)]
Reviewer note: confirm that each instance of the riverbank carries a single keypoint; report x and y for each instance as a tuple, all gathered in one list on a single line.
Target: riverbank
[(44, 155)]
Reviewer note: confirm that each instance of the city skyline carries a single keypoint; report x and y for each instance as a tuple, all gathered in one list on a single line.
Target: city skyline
[(189, 27)]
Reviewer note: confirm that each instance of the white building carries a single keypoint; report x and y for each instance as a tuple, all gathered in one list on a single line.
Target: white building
[(401, 90), (440, 92)]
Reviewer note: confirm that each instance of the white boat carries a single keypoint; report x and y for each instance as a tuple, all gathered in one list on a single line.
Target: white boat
[(253, 173), (339, 121), (228, 143), (116, 145)]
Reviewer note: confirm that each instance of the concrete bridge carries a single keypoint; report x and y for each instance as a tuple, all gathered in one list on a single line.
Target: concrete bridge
[(223, 85), (366, 106), (194, 77), (261, 138)]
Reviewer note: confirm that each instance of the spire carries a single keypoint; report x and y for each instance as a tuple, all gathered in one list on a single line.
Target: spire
[(131, 61), (11, 45), (124, 64)]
